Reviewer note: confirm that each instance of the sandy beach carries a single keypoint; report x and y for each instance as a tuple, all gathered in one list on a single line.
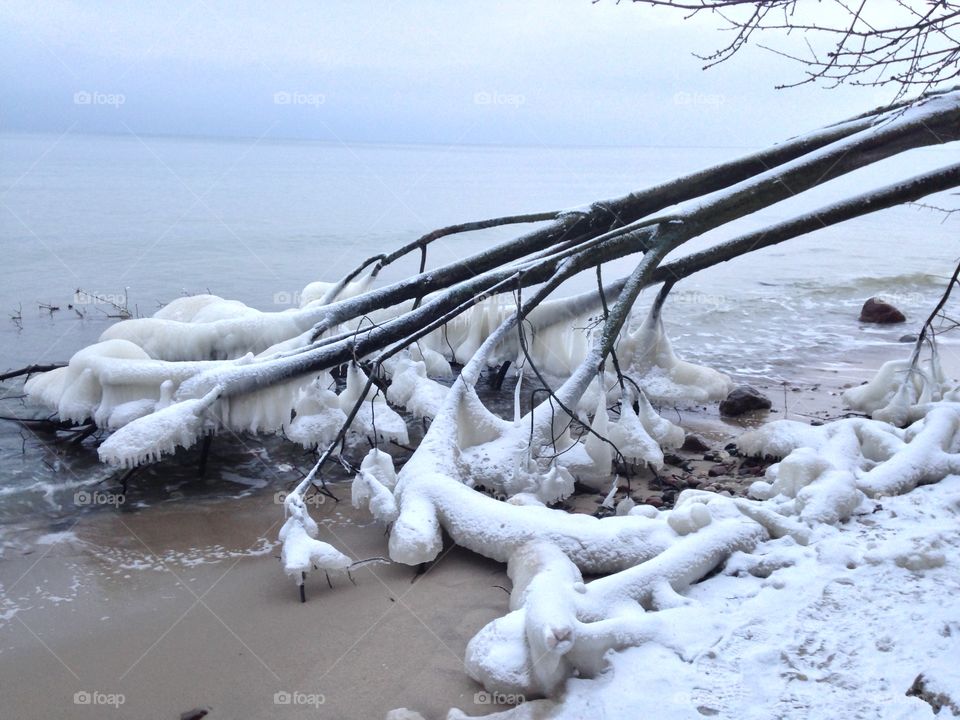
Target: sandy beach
[(183, 607), (152, 612)]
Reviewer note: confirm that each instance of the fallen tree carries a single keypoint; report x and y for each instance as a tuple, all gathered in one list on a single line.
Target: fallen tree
[(203, 365)]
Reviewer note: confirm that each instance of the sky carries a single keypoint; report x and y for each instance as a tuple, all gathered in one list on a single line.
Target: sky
[(537, 72)]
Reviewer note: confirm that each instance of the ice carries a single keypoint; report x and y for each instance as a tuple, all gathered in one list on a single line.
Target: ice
[(317, 414), (652, 362), (899, 387), (302, 551), (161, 432), (374, 419)]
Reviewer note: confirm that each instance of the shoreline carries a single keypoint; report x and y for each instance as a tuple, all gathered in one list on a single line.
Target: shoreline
[(182, 604)]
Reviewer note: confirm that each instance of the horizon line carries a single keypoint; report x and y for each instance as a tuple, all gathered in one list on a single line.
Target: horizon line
[(342, 143)]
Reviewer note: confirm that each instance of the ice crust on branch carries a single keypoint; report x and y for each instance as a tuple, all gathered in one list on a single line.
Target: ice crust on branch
[(260, 353), (901, 387), (117, 382), (661, 374), (302, 551)]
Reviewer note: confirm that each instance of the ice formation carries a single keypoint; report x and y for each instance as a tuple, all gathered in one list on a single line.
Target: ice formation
[(317, 414), (791, 631), (162, 431), (373, 486), (900, 388), (662, 375), (560, 627), (206, 347), (302, 551), (829, 469), (412, 388)]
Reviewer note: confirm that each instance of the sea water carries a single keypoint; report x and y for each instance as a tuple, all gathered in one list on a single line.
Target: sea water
[(138, 221)]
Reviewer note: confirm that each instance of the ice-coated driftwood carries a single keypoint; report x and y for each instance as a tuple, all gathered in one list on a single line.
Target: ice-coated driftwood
[(204, 364)]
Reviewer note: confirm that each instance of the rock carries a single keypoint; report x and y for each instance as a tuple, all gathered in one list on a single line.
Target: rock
[(720, 470), (694, 443), (934, 693), (195, 714), (908, 339), (674, 481), (653, 500), (875, 310), (673, 459), (742, 399)]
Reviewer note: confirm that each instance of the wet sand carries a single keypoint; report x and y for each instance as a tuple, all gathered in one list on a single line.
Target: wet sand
[(183, 605), (180, 607)]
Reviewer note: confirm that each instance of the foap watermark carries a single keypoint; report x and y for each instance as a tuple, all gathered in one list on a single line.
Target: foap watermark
[(285, 97), (903, 298), (695, 297), (286, 298), (95, 97), (484, 297), (699, 99), (85, 498), (498, 698), (316, 498), (83, 297), (95, 697), (485, 97), (298, 698)]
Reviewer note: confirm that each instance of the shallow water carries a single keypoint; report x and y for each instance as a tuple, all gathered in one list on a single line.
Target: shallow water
[(138, 221)]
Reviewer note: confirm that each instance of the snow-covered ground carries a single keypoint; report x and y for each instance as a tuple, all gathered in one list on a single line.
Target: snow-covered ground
[(840, 628)]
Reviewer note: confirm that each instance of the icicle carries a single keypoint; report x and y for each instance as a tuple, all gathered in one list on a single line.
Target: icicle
[(517, 413), (632, 439), (608, 501), (374, 417), (599, 450), (662, 375), (667, 435), (161, 432)]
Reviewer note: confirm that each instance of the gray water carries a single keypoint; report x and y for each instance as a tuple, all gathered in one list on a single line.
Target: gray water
[(139, 221)]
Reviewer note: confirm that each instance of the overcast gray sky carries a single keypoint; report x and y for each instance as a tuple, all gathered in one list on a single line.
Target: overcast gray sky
[(565, 72)]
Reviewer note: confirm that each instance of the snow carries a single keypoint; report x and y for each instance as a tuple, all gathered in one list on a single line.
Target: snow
[(160, 432), (302, 551), (830, 469), (650, 360), (831, 630), (561, 631), (899, 386), (318, 415)]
